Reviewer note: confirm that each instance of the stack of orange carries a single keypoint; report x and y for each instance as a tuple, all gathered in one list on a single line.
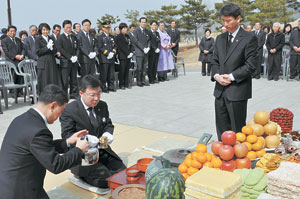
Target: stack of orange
[(254, 141), (198, 159)]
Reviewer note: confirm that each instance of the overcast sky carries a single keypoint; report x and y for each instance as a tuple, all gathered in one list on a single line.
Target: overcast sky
[(27, 12)]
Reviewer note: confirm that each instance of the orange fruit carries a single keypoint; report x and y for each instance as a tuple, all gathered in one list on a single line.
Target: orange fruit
[(188, 162), (182, 168), (217, 163), (247, 130), (196, 164), (194, 154), (188, 156), (201, 148), (251, 155), (185, 176), (248, 145), (208, 156), (252, 139), (201, 158), (257, 146), (241, 137), (192, 170), (209, 164), (261, 140), (260, 153)]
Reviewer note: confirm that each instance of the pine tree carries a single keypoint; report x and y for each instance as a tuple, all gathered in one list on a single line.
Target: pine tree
[(166, 14), (132, 16)]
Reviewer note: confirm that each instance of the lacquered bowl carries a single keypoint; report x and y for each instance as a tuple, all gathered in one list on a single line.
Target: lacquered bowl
[(143, 163), (132, 172)]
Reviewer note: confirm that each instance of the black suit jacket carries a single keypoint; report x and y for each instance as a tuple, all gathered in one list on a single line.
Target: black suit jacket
[(46, 57), (29, 46), (11, 50), (240, 60), (261, 39), (67, 49), (86, 45), (275, 41), (28, 149), (175, 37), (294, 41), (75, 118), (154, 40), (142, 41), (105, 46), (124, 45)]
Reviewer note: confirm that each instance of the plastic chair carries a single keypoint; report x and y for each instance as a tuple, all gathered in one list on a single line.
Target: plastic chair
[(28, 67), (6, 75), (180, 61)]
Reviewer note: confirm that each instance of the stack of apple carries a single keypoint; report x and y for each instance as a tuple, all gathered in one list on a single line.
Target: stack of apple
[(232, 154)]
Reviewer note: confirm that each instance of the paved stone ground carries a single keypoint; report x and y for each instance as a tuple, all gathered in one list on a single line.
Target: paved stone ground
[(183, 105)]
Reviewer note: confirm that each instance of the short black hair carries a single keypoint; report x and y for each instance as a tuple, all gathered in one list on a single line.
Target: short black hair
[(23, 32), (55, 26), (93, 31), (267, 27), (132, 25), (116, 28), (207, 29), (231, 9), (32, 26), (162, 22), (53, 93), (65, 22), (122, 25), (4, 30), (86, 20), (89, 81), (10, 27), (41, 26), (142, 18), (74, 25), (151, 22)]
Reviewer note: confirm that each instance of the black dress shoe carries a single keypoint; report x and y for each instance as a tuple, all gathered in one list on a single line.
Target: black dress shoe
[(140, 85), (292, 77), (257, 77), (208, 74), (104, 90), (166, 79), (112, 90), (146, 84), (122, 87), (161, 80), (276, 79), (151, 82), (156, 81), (203, 74)]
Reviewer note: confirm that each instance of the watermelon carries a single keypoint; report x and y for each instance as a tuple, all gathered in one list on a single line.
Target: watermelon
[(165, 184)]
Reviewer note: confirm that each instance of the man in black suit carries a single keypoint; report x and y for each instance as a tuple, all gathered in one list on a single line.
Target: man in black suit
[(29, 43), (76, 28), (174, 33), (153, 53), (142, 47), (89, 112), (55, 33), (275, 43), (295, 52), (261, 39), (233, 63), (14, 52), (67, 45), (107, 50), (87, 48), (28, 148)]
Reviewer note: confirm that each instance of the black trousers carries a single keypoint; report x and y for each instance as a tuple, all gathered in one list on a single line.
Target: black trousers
[(142, 62), (68, 76), (274, 65), (230, 115), (204, 67), (107, 75), (88, 68), (259, 63), (124, 72), (106, 167), (294, 65), (152, 65)]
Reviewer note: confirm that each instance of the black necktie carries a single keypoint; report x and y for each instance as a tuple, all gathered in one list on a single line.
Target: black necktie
[(93, 120), (229, 42), (14, 40), (69, 37)]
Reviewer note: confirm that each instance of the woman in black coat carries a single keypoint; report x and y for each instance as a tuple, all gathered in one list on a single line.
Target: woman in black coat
[(125, 53), (47, 70), (206, 52)]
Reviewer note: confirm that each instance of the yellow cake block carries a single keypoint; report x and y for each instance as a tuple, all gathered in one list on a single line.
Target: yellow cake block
[(191, 194), (213, 182)]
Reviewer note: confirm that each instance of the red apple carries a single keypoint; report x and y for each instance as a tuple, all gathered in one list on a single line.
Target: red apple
[(215, 147), (229, 138), (228, 165), (243, 163), (226, 152), (240, 150)]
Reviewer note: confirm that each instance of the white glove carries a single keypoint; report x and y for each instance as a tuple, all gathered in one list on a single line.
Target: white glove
[(157, 50), (50, 44), (110, 55), (74, 59), (92, 140), (92, 55), (148, 50), (145, 50), (130, 55), (110, 137)]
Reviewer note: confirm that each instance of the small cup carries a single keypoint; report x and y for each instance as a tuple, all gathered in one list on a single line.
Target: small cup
[(132, 172)]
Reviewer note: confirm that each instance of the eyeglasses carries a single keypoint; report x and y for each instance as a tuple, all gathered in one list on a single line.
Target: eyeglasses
[(93, 95)]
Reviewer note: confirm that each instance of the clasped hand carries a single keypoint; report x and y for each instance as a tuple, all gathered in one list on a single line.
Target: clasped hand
[(224, 79), (81, 144)]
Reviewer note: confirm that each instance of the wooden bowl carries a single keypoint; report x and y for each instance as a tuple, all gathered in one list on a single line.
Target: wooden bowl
[(132, 172), (115, 193), (143, 163), (133, 178)]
